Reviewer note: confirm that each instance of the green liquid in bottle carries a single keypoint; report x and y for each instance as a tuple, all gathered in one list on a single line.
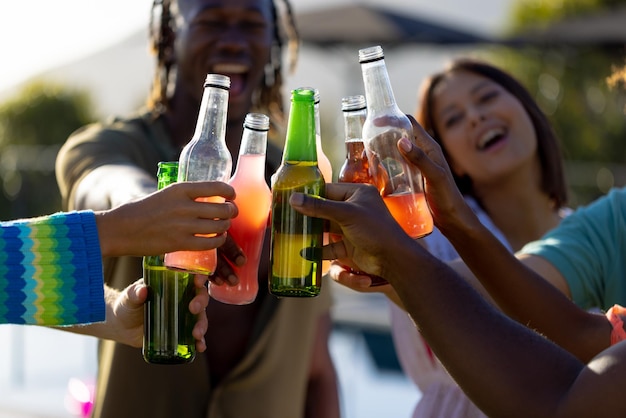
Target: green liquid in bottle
[(168, 323)]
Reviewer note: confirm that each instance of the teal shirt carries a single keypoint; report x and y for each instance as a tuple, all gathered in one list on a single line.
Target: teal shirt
[(589, 249), (51, 270)]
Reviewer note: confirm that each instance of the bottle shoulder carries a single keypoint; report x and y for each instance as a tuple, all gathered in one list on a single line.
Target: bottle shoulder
[(298, 174)]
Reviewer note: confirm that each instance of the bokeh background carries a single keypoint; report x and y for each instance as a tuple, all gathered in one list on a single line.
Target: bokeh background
[(69, 62)]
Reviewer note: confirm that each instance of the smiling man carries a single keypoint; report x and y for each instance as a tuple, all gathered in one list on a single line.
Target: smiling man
[(266, 359)]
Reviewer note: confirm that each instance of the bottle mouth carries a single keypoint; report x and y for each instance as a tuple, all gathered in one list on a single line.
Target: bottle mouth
[(351, 103), (370, 54), (303, 94), (257, 122), (217, 80)]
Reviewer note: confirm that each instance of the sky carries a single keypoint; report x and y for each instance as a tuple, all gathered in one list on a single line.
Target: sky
[(39, 34)]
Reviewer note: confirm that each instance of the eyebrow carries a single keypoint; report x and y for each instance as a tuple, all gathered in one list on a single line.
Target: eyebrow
[(473, 90)]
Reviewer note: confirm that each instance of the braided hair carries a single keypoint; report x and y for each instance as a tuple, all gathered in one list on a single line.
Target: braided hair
[(268, 97)]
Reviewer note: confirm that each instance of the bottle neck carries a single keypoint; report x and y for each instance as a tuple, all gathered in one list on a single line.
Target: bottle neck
[(253, 142), (354, 149), (212, 117), (353, 124), (318, 130), (206, 156), (378, 90), (300, 144)]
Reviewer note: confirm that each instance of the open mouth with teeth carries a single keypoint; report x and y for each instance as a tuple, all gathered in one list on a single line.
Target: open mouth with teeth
[(491, 138), (238, 74)]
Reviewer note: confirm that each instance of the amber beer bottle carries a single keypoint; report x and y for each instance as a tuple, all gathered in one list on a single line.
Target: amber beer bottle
[(399, 183), (168, 323), (205, 158), (296, 239), (355, 167)]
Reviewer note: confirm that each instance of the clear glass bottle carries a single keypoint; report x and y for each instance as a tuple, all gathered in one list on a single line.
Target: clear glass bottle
[(253, 201), (399, 183), (322, 159), (168, 323), (205, 157), (296, 239)]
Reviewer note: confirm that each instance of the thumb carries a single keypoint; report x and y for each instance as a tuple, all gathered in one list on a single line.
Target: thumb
[(136, 295), (319, 207)]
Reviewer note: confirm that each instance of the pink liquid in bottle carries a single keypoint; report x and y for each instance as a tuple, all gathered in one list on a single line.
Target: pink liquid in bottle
[(198, 262), (247, 229)]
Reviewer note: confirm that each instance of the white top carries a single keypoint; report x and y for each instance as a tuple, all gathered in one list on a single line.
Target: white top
[(441, 397)]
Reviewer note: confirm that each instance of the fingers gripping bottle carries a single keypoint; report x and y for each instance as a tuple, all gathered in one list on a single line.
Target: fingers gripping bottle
[(168, 323), (399, 182), (205, 157), (296, 239), (253, 201)]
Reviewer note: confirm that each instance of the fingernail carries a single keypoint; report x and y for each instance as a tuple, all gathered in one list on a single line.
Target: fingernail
[(297, 199), (405, 144)]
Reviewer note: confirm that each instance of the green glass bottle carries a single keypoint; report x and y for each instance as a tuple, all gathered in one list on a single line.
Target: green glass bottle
[(168, 323), (296, 240)]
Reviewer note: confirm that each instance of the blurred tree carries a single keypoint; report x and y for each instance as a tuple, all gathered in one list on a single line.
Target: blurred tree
[(570, 84), (33, 125)]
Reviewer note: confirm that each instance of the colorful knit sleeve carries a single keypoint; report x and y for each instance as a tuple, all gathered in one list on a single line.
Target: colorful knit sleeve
[(51, 270)]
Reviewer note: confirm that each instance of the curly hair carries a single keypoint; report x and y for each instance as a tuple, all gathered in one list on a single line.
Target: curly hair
[(268, 97)]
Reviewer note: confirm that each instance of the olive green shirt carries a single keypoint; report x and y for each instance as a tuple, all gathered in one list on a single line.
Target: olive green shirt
[(269, 381)]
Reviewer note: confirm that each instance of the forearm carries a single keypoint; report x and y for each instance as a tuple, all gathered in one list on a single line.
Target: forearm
[(526, 297), (460, 327)]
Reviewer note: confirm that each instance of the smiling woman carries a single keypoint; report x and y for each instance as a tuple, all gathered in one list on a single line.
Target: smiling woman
[(39, 34)]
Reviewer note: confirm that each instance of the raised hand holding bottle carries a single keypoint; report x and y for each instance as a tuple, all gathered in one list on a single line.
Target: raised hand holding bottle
[(253, 201), (296, 239), (205, 157)]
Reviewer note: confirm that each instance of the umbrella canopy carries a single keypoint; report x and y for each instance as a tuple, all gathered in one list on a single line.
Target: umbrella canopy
[(360, 24)]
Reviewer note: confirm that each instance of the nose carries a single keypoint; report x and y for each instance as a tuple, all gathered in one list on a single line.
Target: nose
[(231, 38), (475, 115)]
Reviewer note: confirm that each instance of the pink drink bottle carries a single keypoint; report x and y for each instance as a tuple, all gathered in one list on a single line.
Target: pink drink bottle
[(253, 201)]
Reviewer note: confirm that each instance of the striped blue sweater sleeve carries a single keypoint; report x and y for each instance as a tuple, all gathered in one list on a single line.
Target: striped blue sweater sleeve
[(51, 270)]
